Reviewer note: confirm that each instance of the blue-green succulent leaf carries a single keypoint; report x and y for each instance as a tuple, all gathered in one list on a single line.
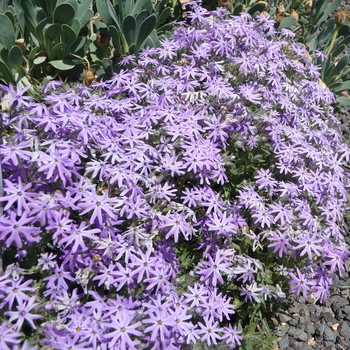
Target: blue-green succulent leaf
[(332, 7), (68, 34), (39, 60), (114, 35), (63, 13), (16, 57), (30, 14), (163, 17), (142, 5), (5, 73), (342, 87), (7, 32), (129, 29), (103, 8), (342, 63), (58, 52), (343, 101), (287, 22), (258, 7), (65, 64), (145, 29)]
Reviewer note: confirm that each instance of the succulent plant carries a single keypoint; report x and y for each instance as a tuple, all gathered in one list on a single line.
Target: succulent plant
[(127, 27)]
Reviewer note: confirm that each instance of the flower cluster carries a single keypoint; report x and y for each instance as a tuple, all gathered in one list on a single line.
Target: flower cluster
[(133, 196)]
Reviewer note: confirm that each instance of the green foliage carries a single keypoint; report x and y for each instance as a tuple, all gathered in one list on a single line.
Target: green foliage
[(130, 26)]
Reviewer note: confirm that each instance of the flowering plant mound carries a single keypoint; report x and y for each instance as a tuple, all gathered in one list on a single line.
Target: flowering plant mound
[(140, 212)]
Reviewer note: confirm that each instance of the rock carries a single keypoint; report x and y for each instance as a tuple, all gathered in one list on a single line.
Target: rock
[(337, 304), (344, 330), (300, 335), (329, 335), (309, 328), (319, 332), (339, 314), (328, 318), (342, 343), (346, 309), (283, 318), (301, 300), (284, 342), (293, 322), (281, 331)]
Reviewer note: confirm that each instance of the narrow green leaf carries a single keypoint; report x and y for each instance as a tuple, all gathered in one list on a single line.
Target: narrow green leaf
[(30, 14), (142, 5), (159, 6), (327, 33), (7, 32), (287, 22), (63, 13), (340, 65), (65, 64), (103, 10), (336, 51), (5, 74), (145, 29), (129, 29), (258, 7), (320, 7), (163, 17), (141, 16), (31, 56), (344, 30), (332, 7), (128, 6), (342, 87), (113, 14), (114, 35), (39, 60), (16, 57)]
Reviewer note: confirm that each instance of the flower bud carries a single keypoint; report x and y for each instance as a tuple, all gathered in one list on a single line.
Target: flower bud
[(89, 77), (294, 14), (225, 3), (102, 40), (20, 43)]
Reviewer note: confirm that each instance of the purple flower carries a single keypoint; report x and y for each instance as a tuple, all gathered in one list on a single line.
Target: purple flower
[(99, 205), (252, 292), (211, 270), (302, 283), (232, 336), (8, 336), (210, 330), (23, 313), (309, 245), (16, 291)]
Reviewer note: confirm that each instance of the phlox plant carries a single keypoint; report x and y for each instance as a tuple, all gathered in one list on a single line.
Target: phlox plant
[(160, 208)]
